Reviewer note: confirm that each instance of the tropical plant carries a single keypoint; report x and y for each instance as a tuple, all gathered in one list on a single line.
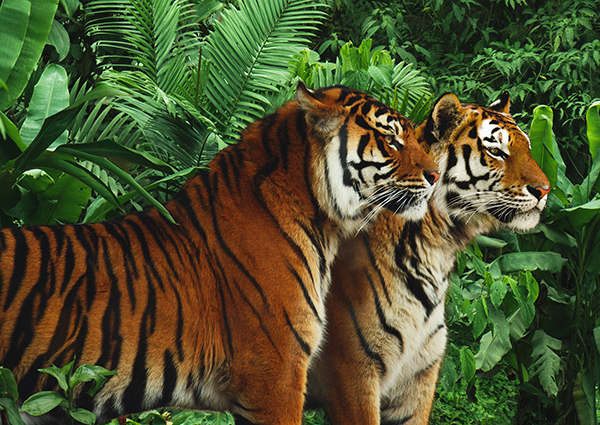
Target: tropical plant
[(370, 71), (537, 295)]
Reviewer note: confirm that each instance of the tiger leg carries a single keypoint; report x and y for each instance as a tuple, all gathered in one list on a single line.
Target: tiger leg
[(267, 387), (412, 403), (355, 398)]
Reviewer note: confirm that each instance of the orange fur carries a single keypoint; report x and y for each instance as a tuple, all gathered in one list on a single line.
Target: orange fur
[(386, 334), (225, 310)]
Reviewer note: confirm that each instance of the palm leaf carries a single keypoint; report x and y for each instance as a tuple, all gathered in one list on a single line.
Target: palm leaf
[(155, 37), (250, 51)]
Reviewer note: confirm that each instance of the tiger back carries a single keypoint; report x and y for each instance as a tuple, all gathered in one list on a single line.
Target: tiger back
[(386, 333), (224, 310)]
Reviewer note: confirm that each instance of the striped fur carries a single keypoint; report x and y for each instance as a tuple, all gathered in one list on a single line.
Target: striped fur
[(386, 330), (225, 310)]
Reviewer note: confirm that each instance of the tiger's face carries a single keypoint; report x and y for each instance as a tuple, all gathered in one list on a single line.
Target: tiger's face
[(371, 157), (488, 173)]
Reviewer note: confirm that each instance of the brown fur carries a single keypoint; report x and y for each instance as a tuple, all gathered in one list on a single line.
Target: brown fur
[(386, 334), (225, 310)]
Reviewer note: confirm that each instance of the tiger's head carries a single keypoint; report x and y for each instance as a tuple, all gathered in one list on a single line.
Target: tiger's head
[(370, 158), (489, 177)]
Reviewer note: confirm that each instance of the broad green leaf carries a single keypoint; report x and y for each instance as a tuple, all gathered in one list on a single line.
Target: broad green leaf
[(63, 203), (521, 261), (112, 150), (597, 337), (56, 124), (467, 363), (98, 210), (43, 402), (59, 38), (9, 386), (50, 95), (381, 74), (58, 374), (545, 152), (557, 236), (448, 375), (593, 127), (587, 186), (584, 396), (14, 17), (82, 415), (491, 351), (489, 242), (80, 173), (546, 362), (70, 6), (501, 329), (498, 291), (11, 145), (12, 411), (580, 215), (109, 166), (479, 320), (517, 326), (87, 372), (358, 80), (38, 27), (35, 181)]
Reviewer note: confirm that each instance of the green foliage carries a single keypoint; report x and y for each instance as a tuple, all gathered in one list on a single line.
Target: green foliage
[(531, 301), (8, 396), (45, 401), (371, 71), (24, 28)]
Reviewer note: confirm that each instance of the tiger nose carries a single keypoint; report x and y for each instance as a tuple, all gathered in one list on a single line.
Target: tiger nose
[(431, 176), (538, 191)]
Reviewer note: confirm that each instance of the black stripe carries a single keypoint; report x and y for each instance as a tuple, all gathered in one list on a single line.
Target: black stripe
[(91, 252), (19, 266), (304, 291), (111, 320), (373, 263), (170, 380), (69, 264), (249, 303), (183, 200), (148, 259), (303, 344), (121, 236), (160, 236), (382, 319), (232, 256), (225, 318), (363, 342), (44, 277), (414, 285), (133, 395), (396, 421)]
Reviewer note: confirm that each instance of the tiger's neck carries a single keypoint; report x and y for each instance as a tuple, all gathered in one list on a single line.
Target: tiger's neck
[(423, 253)]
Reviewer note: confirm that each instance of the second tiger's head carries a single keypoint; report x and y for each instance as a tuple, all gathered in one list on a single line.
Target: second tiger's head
[(371, 158)]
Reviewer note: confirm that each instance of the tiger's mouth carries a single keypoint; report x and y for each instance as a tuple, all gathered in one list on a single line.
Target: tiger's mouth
[(409, 204), (517, 218)]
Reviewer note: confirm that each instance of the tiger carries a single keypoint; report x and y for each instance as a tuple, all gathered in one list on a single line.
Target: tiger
[(224, 310), (386, 333)]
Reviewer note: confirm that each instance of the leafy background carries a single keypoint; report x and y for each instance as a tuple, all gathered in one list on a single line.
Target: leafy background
[(108, 106)]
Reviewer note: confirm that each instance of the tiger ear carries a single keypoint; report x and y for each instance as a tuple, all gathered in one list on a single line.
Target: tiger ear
[(445, 116), (502, 104), (320, 116)]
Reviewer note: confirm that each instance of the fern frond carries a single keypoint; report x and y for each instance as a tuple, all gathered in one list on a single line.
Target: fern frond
[(250, 51)]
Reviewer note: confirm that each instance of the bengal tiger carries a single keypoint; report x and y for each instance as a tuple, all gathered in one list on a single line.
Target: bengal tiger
[(386, 331), (224, 310)]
